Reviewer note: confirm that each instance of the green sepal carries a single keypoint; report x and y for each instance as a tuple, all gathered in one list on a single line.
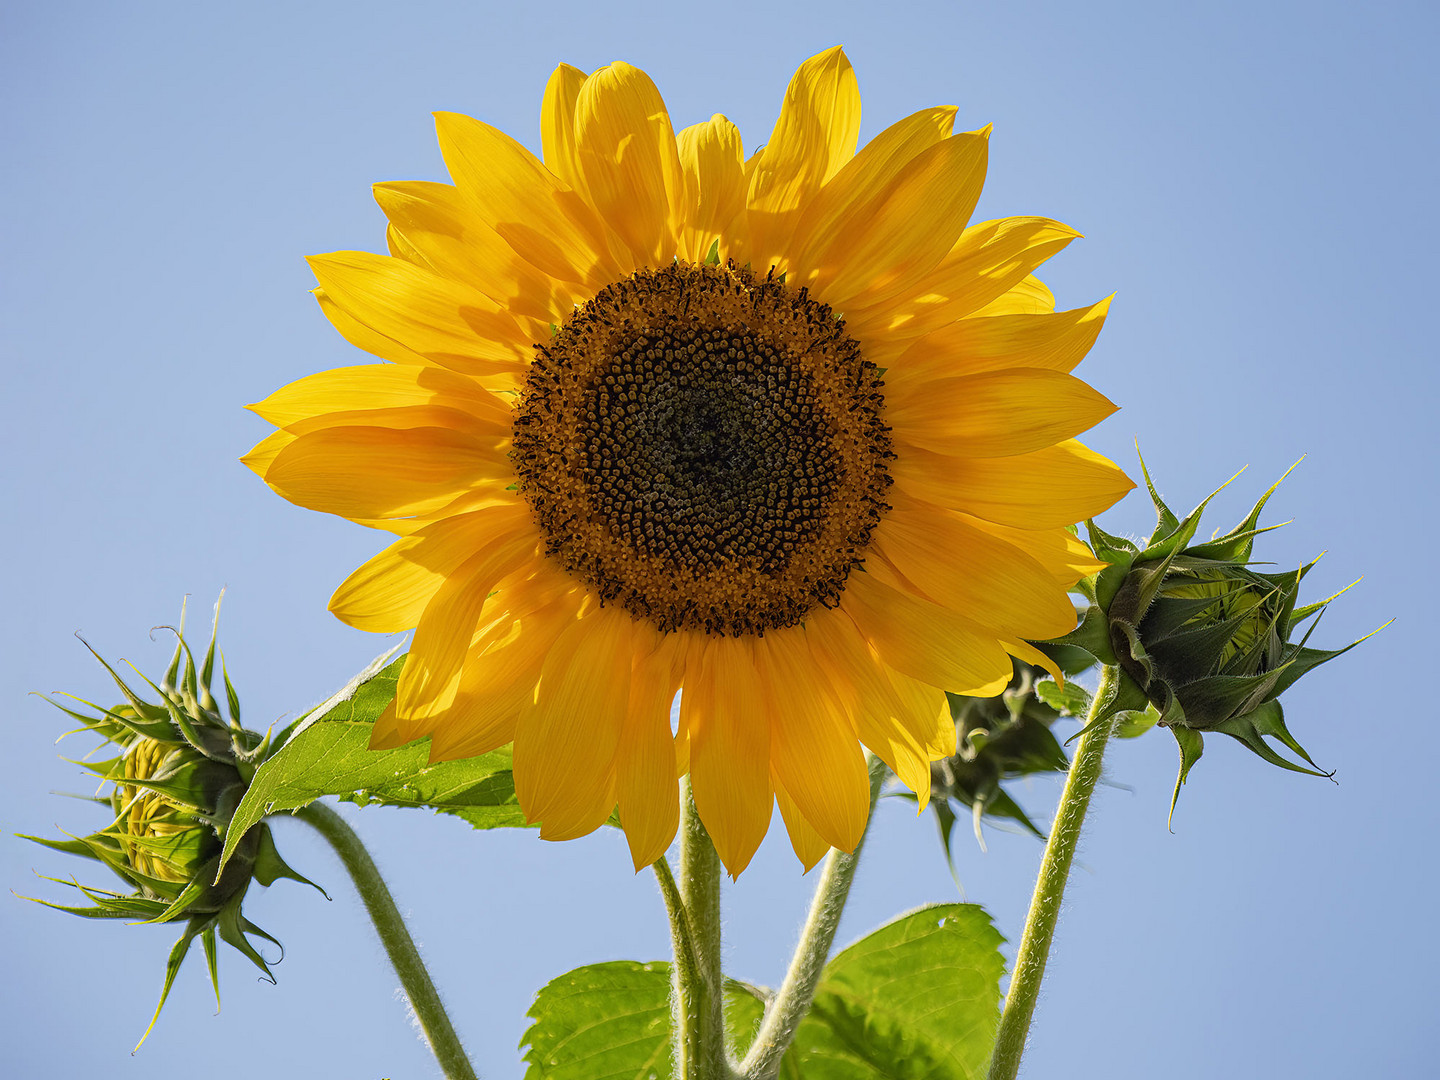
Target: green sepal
[(1307, 660), (177, 956), (1118, 553), (145, 710), (1192, 745), (112, 723), (1235, 546), (712, 257), (75, 846), (945, 818), (1090, 638), (233, 927), (232, 699), (1126, 696), (999, 804), (1269, 719), (268, 867), (212, 962)]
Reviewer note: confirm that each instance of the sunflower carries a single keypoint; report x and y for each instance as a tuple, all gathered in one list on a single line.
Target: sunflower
[(784, 434)]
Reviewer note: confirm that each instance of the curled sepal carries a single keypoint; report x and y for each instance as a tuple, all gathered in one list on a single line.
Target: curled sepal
[(1269, 721)]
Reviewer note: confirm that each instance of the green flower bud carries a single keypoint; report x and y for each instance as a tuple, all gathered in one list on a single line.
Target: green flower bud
[(1207, 641), (1001, 738), (179, 772)]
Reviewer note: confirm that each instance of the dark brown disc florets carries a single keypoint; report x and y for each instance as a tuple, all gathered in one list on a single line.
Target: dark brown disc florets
[(705, 449)]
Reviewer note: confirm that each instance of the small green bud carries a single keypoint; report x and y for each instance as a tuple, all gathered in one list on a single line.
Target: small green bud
[(179, 772), (1001, 738), (1208, 641)]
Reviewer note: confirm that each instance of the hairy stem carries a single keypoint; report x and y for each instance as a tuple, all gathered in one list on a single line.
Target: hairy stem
[(684, 974), (1050, 885), (699, 991), (399, 945), (784, 1014)]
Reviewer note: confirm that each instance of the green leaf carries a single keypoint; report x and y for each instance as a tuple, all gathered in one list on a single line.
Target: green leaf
[(1132, 723), (1070, 700), (918, 998), (602, 1022), (330, 755)]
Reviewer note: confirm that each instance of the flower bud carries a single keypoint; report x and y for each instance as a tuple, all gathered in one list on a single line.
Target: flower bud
[(180, 771), (998, 738), (1208, 641)]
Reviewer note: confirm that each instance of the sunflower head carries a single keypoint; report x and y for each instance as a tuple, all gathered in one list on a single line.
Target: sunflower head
[(178, 772), (1208, 640), (784, 433)]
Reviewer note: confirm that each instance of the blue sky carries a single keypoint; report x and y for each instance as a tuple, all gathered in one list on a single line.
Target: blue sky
[(1255, 182)]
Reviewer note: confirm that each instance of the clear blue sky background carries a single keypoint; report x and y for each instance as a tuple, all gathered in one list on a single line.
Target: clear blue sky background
[(1256, 182)]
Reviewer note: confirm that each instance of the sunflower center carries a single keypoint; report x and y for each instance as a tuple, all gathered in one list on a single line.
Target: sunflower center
[(705, 449)]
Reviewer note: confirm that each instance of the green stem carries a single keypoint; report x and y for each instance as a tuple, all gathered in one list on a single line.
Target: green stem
[(699, 992), (1050, 885), (797, 992), (684, 975), (399, 945)]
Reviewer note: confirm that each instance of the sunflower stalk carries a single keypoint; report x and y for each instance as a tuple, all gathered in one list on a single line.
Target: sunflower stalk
[(797, 992), (698, 985), (399, 946), (1045, 904)]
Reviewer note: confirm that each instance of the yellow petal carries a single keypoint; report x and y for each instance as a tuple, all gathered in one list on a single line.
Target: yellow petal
[(266, 450), (724, 713), (1024, 651), (375, 472), (362, 337), (627, 154), (921, 639), (546, 223), (974, 573), (865, 177), (1056, 341), (1056, 486), (557, 124), (896, 240), (814, 137), (389, 592), (385, 734), (645, 779), (565, 744), (501, 672), (712, 157), (448, 323), (382, 386), (988, 259), (1063, 554), (431, 675), (928, 710), (882, 719), (810, 847), (1029, 296), (448, 236), (993, 414), (813, 749)]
